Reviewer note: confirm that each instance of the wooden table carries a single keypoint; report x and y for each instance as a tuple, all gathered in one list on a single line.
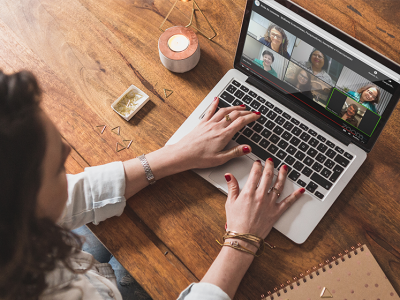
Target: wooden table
[(85, 53)]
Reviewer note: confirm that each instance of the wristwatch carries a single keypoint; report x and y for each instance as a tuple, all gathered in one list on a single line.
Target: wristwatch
[(147, 169)]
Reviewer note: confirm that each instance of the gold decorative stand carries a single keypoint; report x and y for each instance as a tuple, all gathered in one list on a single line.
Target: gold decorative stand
[(191, 18)]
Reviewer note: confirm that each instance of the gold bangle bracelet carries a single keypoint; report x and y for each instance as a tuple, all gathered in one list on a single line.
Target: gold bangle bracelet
[(237, 246), (256, 239), (248, 237)]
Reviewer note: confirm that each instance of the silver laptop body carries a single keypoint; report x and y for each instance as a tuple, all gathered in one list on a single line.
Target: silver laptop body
[(298, 222)]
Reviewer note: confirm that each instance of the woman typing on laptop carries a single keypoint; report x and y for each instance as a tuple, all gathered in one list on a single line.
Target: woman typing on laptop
[(41, 258)]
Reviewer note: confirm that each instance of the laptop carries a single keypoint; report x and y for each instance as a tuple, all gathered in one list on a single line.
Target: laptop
[(324, 99)]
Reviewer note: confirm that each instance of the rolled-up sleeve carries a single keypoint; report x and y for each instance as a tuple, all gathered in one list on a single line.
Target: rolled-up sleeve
[(94, 195), (203, 291)]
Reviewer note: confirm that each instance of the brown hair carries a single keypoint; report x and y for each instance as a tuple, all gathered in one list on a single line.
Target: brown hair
[(326, 60), (30, 247), (368, 86), (269, 53), (304, 87), (353, 106), (285, 42)]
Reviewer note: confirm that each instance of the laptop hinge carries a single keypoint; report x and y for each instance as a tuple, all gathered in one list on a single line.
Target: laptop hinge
[(254, 81)]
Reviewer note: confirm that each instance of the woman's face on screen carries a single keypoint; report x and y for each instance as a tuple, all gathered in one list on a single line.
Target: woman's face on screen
[(267, 59), (317, 59), (302, 78), (369, 95), (276, 37)]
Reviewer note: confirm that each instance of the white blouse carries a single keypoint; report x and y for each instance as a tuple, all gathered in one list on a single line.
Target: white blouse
[(93, 196)]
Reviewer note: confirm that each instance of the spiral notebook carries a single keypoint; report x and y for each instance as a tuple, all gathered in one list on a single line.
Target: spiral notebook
[(352, 275)]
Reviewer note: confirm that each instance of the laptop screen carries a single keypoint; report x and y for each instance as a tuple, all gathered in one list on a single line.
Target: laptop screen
[(331, 78)]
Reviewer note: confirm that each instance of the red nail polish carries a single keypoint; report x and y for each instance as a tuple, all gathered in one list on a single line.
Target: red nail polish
[(226, 226), (227, 178), (246, 149), (242, 105), (302, 190), (259, 161), (270, 159), (215, 98), (285, 167), (257, 113)]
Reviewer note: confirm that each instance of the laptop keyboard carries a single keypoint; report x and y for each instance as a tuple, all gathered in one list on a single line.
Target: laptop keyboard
[(313, 161)]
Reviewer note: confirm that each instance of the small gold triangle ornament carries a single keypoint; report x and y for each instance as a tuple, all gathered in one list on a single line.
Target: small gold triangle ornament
[(116, 130), (120, 149), (129, 144), (194, 8), (325, 293), (167, 93), (104, 127)]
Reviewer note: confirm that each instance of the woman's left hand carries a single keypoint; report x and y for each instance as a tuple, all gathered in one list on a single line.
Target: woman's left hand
[(204, 146)]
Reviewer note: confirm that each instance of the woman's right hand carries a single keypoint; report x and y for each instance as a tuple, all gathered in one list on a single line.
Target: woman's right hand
[(253, 210)]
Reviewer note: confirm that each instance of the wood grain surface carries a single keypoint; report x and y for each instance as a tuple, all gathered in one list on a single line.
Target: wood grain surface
[(85, 53)]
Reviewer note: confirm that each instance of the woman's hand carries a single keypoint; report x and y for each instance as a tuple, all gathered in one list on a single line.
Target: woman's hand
[(204, 146), (254, 210)]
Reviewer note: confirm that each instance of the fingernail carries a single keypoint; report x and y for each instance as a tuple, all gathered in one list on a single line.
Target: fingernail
[(226, 226), (302, 190), (215, 98), (285, 167), (227, 177), (246, 149), (270, 159), (242, 105), (257, 113), (259, 161)]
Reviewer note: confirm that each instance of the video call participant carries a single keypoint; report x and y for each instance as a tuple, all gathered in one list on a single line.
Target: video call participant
[(268, 59), (318, 64), (368, 96), (302, 81), (349, 114), (275, 38)]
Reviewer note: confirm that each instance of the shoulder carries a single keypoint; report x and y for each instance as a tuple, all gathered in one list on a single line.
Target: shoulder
[(64, 284), (263, 41), (325, 76), (370, 106), (354, 122), (354, 94), (258, 62), (306, 64)]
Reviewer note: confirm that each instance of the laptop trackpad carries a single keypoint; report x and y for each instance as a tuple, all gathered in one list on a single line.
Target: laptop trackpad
[(240, 167)]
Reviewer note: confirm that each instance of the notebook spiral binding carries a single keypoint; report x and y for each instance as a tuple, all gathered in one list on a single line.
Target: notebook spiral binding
[(322, 266)]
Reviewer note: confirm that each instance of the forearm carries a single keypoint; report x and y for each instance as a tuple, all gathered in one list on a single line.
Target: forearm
[(163, 162), (229, 268), (203, 147)]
